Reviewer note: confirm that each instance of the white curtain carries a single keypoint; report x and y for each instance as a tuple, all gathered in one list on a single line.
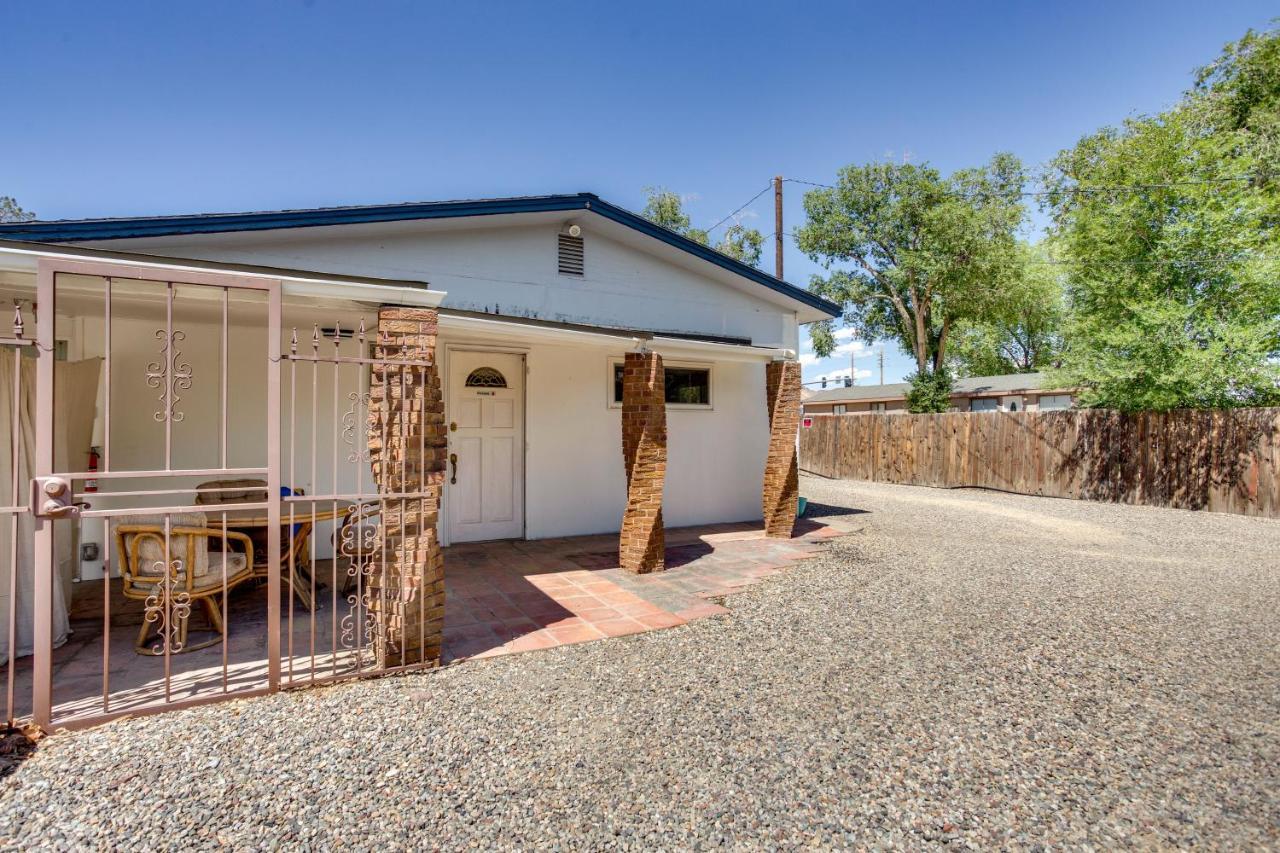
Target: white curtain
[(76, 388)]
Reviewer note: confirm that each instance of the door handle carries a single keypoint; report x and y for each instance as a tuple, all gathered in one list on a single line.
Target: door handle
[(53, 509), (453, 460), (51, 498)]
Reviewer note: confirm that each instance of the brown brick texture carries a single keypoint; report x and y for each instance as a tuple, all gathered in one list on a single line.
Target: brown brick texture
[(407, 447), (781, 475), (644, 451)]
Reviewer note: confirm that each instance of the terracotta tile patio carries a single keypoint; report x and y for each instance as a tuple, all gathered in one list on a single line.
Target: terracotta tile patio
[(501, 598), (505, 597)]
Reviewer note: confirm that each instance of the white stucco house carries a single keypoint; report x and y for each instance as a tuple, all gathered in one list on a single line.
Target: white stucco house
[(554, 313), (448, 372)]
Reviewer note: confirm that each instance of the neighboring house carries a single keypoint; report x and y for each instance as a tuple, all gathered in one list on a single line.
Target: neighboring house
[(456, 366), (1015, 392)]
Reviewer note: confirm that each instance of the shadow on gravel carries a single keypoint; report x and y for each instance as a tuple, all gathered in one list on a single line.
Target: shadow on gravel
[(15, 747), (820, 510)]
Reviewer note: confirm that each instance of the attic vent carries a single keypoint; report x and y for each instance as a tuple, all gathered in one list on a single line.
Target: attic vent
[(570, 255)]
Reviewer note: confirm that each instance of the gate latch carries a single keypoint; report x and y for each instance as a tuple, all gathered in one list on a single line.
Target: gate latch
[(51, 498)]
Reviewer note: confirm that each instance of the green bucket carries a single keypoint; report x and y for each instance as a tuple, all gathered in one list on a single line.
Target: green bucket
[(803, 505)]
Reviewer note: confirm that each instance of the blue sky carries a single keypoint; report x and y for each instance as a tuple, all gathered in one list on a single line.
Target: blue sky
[(175, 107)]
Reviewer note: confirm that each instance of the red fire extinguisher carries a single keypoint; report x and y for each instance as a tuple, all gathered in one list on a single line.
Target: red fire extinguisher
[(91, 483)]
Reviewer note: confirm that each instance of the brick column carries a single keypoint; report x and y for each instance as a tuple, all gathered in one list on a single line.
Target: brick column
[(781, 474), (407, 449), (644, 450)]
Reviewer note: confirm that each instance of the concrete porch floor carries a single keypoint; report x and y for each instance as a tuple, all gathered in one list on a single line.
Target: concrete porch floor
[(501, 598)]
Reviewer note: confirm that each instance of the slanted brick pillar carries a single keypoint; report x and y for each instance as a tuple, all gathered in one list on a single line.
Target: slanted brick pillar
[(407, 449), (644, 450), (781, 474)]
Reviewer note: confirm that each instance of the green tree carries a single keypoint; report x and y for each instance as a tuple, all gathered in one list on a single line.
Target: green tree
[(930, 391), (1170, 229), (912, 253), (742, 243), (11, 212), (1024, 332), (666, 208)]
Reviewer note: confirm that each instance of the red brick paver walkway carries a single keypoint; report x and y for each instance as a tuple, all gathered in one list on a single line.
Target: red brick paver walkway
[(505, 597)]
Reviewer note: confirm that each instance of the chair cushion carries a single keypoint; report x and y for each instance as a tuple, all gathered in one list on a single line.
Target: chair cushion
[(239, 492), (151, 550), (211, 582)]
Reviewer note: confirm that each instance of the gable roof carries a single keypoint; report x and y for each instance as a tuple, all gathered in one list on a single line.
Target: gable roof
[(974, 386), (78, 230)]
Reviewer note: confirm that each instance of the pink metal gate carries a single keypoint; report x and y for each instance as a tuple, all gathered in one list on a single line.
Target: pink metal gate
[(370, 590), (265, 511), (163, 555)]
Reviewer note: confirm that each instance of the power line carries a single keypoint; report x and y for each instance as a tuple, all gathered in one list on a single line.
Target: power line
[(767, 187), (807, 183)]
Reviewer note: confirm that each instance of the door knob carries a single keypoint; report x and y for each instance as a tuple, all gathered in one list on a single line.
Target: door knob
[(51, 497), (453, 460)]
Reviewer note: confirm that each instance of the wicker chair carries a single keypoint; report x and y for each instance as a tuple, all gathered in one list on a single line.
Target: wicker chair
[(193, 573)]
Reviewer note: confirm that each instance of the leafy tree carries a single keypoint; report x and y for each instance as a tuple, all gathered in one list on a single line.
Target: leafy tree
[(1170, 227), (11, 212), (1024, 332), (742, 243), (924, 251), (666, 208), (930, 391)]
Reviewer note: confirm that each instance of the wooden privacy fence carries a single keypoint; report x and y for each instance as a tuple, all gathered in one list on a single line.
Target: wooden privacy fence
[(1223, 461)]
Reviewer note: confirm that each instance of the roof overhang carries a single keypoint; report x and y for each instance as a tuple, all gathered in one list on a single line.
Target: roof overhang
[(808, 307), (23, 257), (520, 329)]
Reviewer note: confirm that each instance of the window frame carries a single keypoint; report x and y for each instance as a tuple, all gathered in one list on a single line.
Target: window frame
[(985, 401), (840, 409), (884, 407), (615, 361), (1040, 403)]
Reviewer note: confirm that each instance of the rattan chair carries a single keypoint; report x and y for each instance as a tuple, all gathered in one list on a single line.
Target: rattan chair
[(171, 580)]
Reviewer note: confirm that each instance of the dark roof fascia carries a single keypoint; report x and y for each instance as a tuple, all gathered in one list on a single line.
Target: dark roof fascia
[(212, 266), (213, 223), (617, 331)]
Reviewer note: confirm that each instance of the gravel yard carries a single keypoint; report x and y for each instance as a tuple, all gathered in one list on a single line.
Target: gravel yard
[(968, 667)]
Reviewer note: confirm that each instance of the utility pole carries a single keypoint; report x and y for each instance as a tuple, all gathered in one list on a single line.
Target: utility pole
[(881, 359), (777, 224), (853, 366)]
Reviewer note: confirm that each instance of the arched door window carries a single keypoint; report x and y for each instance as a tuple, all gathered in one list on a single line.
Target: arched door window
[(486, 377)]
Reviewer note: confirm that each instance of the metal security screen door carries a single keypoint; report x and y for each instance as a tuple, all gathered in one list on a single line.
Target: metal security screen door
[(187, 413), (215, 490)]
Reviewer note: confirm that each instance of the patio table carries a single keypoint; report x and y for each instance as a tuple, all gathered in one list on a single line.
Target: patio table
[(252, 521)]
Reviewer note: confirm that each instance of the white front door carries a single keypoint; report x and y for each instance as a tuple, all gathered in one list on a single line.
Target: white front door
[(485, 477)]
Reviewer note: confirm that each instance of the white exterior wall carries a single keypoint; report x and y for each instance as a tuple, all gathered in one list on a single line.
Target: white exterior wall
[(574, 477), (511, 271)]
